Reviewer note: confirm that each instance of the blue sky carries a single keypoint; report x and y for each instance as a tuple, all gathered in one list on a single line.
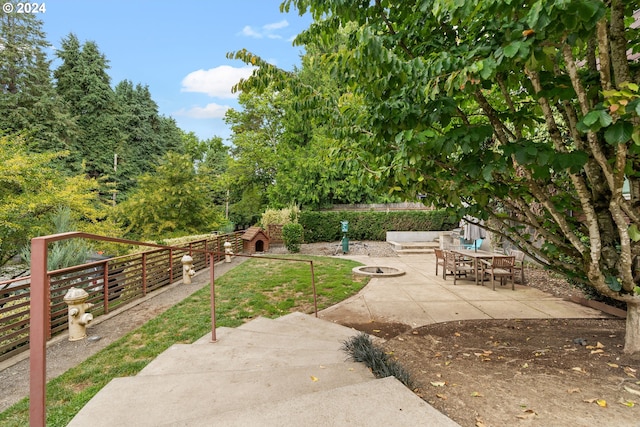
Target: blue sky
[(178, 48)]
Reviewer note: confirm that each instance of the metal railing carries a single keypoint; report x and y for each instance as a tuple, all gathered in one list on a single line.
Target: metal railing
[(110, 283)]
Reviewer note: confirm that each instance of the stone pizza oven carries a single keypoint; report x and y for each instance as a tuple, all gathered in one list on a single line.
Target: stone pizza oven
[(255, 240)]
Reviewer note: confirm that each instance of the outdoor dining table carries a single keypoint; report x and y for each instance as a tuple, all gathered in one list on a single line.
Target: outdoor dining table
[(476, 255)]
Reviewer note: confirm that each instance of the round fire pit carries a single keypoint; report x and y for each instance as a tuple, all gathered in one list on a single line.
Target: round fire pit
[(377, 271)]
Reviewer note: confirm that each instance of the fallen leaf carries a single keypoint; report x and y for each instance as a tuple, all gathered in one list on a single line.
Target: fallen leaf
[(526, 365), (441, 396), (632, 390), (578, 369), (599, 345), (529, 413), (626, 402), (630, 371), (376, 330), (600, 402), (477, 394), (314, 379), (573, 390), (480, 423), (457, 334), (438, 383), (597, 351), (613, 365)]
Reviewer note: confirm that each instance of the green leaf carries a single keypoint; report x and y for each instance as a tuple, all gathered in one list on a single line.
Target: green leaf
[(619, 133), (614, 283), (512, 49), (591, 118), (634, 233)]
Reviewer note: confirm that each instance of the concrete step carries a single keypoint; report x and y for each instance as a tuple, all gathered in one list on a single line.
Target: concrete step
[(285, 371), (380, 403), (414, 247), (159, 400), (187, 359)]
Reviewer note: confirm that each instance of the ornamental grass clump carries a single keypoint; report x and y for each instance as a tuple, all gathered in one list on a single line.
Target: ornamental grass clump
[(361, 349)]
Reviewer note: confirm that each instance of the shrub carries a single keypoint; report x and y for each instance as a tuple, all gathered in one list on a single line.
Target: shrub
[(325, 226), (292, 236), (280, 216)]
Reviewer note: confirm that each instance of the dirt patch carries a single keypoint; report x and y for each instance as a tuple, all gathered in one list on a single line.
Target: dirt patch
[(553, 372), (379, 329)]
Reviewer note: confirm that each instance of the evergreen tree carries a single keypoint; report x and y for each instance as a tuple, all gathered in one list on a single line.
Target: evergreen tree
[(82, 80), (28, 101)]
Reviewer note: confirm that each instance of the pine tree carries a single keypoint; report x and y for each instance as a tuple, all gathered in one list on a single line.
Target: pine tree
[(29, 104), (83, 82)]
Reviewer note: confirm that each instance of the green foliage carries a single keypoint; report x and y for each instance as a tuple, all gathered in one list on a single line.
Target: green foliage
[(280, 216), (65, 253), (507, 111), (29, 104), (361, 349), (292, 235), (169, 201), (325, 226), (32, 188)]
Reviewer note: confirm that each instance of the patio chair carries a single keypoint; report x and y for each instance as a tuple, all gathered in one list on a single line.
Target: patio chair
[(439, 258), (518, 265), (499, 267), (457, 265)]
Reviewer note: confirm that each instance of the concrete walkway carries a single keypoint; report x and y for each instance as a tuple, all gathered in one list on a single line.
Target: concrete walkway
[(291, 371)]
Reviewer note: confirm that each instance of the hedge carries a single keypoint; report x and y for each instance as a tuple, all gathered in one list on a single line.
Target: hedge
[(325, 226)]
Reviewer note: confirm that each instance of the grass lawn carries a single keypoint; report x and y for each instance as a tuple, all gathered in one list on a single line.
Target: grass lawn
[(258, 287)]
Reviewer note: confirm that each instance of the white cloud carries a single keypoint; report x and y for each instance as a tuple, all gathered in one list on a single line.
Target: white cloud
[(267, 30), (276, 25), (210, 111), (216, 82), (250, 32)]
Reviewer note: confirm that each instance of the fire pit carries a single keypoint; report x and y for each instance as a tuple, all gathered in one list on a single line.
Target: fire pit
[(377, 271)]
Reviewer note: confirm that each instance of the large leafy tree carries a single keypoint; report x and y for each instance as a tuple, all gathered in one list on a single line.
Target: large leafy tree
[(307, 164), (32, 189), (171, 200), (524, 114)]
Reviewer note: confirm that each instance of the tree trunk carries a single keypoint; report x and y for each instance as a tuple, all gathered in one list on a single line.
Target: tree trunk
[(632, 334)]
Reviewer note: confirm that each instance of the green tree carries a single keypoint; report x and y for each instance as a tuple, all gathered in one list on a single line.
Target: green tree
[(83, 82), (32, 188), (254, 160), (146, 139), (28, 101), (524, 114), (172, 200)]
